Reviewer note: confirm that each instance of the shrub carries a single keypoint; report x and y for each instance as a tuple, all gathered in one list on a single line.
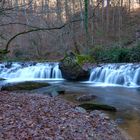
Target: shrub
[(111, 54), (135, 53), (118, 55), (98, 53)]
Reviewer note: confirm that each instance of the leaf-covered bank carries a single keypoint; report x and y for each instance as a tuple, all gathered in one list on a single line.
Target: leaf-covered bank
[(25, 116)]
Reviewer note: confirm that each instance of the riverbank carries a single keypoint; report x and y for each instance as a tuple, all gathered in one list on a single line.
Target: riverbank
[(28, 116)]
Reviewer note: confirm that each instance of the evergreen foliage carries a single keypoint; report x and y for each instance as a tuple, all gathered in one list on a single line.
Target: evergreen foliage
[(116, 54)]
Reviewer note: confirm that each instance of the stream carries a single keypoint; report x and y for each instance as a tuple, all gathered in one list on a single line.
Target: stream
[(126, 100), (122, 91)]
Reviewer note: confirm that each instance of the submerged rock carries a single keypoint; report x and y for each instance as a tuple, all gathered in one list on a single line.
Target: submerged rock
[(23, 86), (52, 91), (71, 70), (80, 109), (92, 106), (86, 98)]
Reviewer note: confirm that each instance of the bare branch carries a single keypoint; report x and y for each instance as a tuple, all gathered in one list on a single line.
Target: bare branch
[(44, 29), (18, 23), (32, 30)]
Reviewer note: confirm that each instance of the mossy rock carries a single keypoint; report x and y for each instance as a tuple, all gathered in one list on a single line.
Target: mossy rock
[(83, 59), (91, 106), (23, 86), (71, 69)]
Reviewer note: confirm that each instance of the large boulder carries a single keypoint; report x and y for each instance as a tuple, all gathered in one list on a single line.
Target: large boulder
[(71, 69)]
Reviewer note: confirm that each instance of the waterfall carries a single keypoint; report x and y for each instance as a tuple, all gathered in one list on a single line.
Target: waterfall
[(120, 74), (30, 70)]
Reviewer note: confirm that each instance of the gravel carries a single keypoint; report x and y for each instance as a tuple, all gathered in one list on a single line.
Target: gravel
[(40, 117)]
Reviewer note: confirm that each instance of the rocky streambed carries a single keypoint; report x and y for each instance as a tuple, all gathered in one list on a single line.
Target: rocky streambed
[(40, 117)]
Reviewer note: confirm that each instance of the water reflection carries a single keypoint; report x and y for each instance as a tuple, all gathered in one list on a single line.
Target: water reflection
[(126, 100), (129, 121)]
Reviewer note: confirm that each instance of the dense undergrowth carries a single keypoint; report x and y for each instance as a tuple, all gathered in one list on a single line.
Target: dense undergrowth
[(116, 54), (98, 54)]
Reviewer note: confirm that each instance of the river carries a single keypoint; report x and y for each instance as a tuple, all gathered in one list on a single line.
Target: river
[(116, 85)]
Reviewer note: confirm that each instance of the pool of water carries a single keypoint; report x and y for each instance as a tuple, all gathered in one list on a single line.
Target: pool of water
[(126, 100)]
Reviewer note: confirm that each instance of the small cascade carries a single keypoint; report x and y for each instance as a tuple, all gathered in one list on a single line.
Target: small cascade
[(30, 70), (120, 74)]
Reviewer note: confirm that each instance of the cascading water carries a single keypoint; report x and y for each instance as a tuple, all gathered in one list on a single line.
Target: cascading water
[(30, 71), (121, 74)]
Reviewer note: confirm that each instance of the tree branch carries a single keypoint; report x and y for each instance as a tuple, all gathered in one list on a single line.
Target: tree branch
[(18, 23), (44, 29), (32, 30)]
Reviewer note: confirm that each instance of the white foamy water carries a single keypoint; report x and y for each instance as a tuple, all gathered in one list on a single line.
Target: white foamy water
[(33, 71), (116, 74)]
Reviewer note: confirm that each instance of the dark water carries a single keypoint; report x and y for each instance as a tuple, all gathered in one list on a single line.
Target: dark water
[(126, 100)]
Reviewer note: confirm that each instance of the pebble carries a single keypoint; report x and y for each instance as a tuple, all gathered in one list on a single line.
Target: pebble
[(41, 117)]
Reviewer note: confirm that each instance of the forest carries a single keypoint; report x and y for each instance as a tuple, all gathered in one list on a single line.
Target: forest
[(69, 69), (47, 29)]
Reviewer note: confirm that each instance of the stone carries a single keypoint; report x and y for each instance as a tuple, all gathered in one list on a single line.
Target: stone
[(71, 70), (23, 86), (54, 93), (52, 90), (80, 109), (93, 106), (88, 97)]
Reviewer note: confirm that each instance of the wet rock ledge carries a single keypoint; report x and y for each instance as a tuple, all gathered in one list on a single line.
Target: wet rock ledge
[(40, 117)]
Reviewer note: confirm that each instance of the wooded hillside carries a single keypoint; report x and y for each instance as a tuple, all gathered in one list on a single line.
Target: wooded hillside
[(47, 29)]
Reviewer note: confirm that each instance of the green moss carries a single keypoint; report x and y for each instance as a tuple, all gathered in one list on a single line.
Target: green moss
[(92, 106), (82, 59), (24, 86)]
